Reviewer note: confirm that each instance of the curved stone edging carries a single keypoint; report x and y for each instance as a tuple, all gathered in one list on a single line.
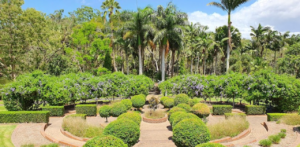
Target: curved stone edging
[(160, 120), (229, 139), (68, 134)]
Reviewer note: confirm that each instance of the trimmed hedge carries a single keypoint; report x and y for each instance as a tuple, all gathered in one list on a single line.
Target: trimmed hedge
[(162, 99), (134, 116), (228, 115), (169, 103), (138, 101), (189, 133), (127, 103), (104, 111), (193, 102), (275, 116), (83, 116), (125, 129), (185, 106), (105, 141), (24, 116), (174, 110), (117, 109), (255, 110), (55, 110), (184, 116), (174, 115), (210, 145), (181, 98), (201, 110), (221, 109), (89, 110)]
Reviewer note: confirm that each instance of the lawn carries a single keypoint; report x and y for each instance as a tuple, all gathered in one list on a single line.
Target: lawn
[(5, 134), (2, 108), (1, 102)]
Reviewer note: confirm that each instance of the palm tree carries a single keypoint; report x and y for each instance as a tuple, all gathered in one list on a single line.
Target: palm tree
[(229, 6), (259, 35)]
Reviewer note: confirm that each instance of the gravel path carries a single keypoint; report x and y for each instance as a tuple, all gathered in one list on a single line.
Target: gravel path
[(28, 134)]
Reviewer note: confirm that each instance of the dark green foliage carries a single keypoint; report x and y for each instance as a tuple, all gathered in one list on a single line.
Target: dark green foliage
[(89, 110), (181, 98), (182, 69), (228, 115), (104, 111), (103, 71), (138, 101), (127, 103), (117, 109), (210, 145), (83, 116), (174, 110), (153, 103), (275, 139), (125, 129), (187, 133), (255, 110), (184, 116), (169, 103), (201, 110), (105, 141), (184, 106), (107, 61), (265, 143), (24, 117), (55, 110), (57, 65), (221, 109), (192, 102), (134, 116), (275, 116)]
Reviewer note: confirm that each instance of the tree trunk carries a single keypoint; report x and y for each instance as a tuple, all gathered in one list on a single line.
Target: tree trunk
[(115, 67), (140, 61), (163, 64), (229, 43), (204, 65), (191, 64), (172, 62), (127, 66), (197, 66), (216, 63)]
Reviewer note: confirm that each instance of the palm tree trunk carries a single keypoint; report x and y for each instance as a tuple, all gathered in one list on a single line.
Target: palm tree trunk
[(115, 67), (216, 63), (197, 66), (163, 64), (172, 62), (140, 60), (204, 65), (127, 68), (229, 42), (191, 64)]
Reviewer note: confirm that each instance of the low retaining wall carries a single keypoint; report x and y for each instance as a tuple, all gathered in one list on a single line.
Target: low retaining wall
[(229, 139), (68, 134), (160, 120)]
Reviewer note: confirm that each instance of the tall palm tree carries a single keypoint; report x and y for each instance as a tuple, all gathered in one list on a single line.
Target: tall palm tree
[(259, 35), (228, 6)]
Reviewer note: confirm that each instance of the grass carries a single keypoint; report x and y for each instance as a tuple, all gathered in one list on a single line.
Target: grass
[(49, 145), (230, 127), (291, 119), (79, 127), (1, 102), (5, 135), (2, 108), (155, 114)]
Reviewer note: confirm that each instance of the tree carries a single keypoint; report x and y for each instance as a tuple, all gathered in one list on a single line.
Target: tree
[(229, 6), (107, 62), (259, 35)]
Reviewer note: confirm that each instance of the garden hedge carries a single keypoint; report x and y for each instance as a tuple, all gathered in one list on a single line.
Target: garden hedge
[(221, 109), (55, 110), (89, 110), (105, 141), (162, 99), (83, 116), (201, 110), (117, 109), (134, 116), (125, 129), (183, 116), (24, 116), (174, 110), (184, 106), (228, 115), (275, 116), (255, 110), (104, 111), (138, 101), (181, 98), (189, 133), (169, 103), (210, 145), (127, 103), (174, 115), (193, 102)]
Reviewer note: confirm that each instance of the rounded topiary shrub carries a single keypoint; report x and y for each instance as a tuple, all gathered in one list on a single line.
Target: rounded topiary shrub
[(117, 109), (138, 101), (185, 107), (181, 98), (162, 99), (193, 102), (190, 132), (125, 129), (169, 103), (210, 145), (127, 103), (105, 111), (134, 116), (174, 115), (105, 141), (143, 96), (175, 109), (201, 110), (183, 116)]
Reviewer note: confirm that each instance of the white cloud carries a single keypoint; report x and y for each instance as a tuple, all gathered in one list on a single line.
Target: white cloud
[(281, 15), (83, 2)]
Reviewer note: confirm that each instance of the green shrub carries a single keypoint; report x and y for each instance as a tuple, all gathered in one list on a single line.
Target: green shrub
[(189, 133), (181, 98), (143, 96), (50, 145), (265, 143), (55, 110), (275, 116), (117, 109), (283, 130), (162, 99), (255, 110), (183, 116), (185, 106), (201, 110), (104, 111), (192, 102), (125, 129), (28, 145), (221, 109), (83, 116), (228, 115), (275, 139), (134, 116), (281, 135), (210, 145), (89, 110), (169, 103), (127, 103), (175, 109), (24, 116), (138, 101), (105, 141), (174, 115)]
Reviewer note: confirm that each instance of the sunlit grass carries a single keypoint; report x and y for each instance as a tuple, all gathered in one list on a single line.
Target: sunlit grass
[(5, 135), (2, 108), (155, 114), (293, 119)]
